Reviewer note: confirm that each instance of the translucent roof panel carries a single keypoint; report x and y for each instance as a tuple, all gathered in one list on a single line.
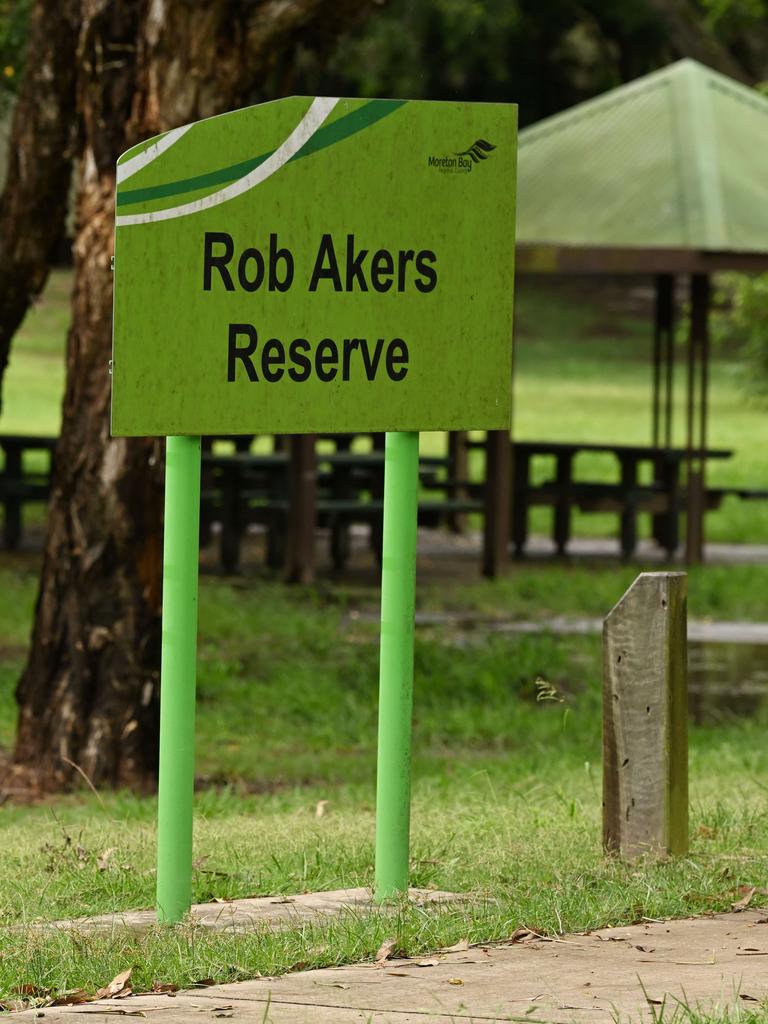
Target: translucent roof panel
[(678, 159)]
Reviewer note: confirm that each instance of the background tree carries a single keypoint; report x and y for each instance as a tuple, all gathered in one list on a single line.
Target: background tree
[(33, 205), (544, 55), (88, 695), (89, 692)]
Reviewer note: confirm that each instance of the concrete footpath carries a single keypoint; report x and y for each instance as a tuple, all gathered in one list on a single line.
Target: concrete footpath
[(617, 974)]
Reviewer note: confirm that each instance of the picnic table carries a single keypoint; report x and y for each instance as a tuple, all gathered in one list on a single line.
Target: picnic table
[(244, 488), (663, 496), (20, 486)]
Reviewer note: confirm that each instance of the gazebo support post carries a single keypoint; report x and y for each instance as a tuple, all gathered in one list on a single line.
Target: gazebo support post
[(663, 379), (696, 421), (670, 357), (663, 360), (302, 494), (498, 486)]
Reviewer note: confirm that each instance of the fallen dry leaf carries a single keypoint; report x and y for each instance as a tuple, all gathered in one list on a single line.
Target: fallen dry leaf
[(320, 808), (159, 988), (746, 899), (646, 949), (31, 991), (102, 862), (204, 983), (748, 998), (455, 981), (386, 950), (458, 947), (72, 997), (118, 988), (426, 963)]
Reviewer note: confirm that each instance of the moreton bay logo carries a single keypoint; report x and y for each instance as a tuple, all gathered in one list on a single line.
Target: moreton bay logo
[(461, 163)]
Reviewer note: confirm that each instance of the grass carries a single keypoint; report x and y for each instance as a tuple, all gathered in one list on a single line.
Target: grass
[(33, 386), (506, 786), (506, 799)]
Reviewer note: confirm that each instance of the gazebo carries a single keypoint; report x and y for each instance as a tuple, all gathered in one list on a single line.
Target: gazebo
[(663, 177)]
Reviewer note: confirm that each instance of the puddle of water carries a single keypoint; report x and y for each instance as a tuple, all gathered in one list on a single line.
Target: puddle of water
[(726, 681)]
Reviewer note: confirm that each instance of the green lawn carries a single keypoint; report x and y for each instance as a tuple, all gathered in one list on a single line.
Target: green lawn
[(506, 793), (507, 787), (34, 382)]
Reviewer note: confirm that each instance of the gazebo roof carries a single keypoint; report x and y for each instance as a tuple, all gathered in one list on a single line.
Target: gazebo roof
[(674, 164)]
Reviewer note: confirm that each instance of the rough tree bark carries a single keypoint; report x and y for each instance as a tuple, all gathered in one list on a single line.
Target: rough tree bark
[(689, 37), (33, 204), (89, 693)]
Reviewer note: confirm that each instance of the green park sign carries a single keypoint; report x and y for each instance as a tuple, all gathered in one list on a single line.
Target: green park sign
[(310, 266), (317, 265)]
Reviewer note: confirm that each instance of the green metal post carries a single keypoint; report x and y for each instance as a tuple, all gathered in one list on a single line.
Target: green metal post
[(177, 678), (398, 581)]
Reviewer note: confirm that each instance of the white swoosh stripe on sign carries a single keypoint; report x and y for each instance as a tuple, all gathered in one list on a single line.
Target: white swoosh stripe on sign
[(304, 130), (136, 163)]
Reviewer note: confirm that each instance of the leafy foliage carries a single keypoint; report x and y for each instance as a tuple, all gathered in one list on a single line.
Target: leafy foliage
[(14, 23), (543, 54), (741, 322)]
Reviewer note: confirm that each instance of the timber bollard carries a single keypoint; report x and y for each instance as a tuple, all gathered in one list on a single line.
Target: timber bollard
[(645, 728)]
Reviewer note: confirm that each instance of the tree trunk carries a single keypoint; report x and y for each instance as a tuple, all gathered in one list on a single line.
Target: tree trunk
[(689, 36), (89, 693), (33, 205)]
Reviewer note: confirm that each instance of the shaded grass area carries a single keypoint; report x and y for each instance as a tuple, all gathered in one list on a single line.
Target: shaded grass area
[(506, 796), (536, 591), (33, 385)]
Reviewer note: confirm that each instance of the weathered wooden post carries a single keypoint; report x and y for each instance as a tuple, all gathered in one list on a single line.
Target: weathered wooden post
[(645, 706)]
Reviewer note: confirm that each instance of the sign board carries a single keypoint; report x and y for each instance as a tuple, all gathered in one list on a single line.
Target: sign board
[(308, 265)]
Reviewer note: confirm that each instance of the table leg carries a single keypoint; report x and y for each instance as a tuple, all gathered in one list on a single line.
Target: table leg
[(301, 517), (521, 467), (207, 501), (342, 489), (498, 485), (377, 494), (562, 525), (629, 515), (12, 503), (230, 518), (666, 525), (458, 469)]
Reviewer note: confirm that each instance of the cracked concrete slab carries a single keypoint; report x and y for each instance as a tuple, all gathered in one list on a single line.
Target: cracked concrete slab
[(258, 912), (612, 974)]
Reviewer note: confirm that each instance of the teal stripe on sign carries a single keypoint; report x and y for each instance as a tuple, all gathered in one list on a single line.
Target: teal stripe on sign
[(328, 135)]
